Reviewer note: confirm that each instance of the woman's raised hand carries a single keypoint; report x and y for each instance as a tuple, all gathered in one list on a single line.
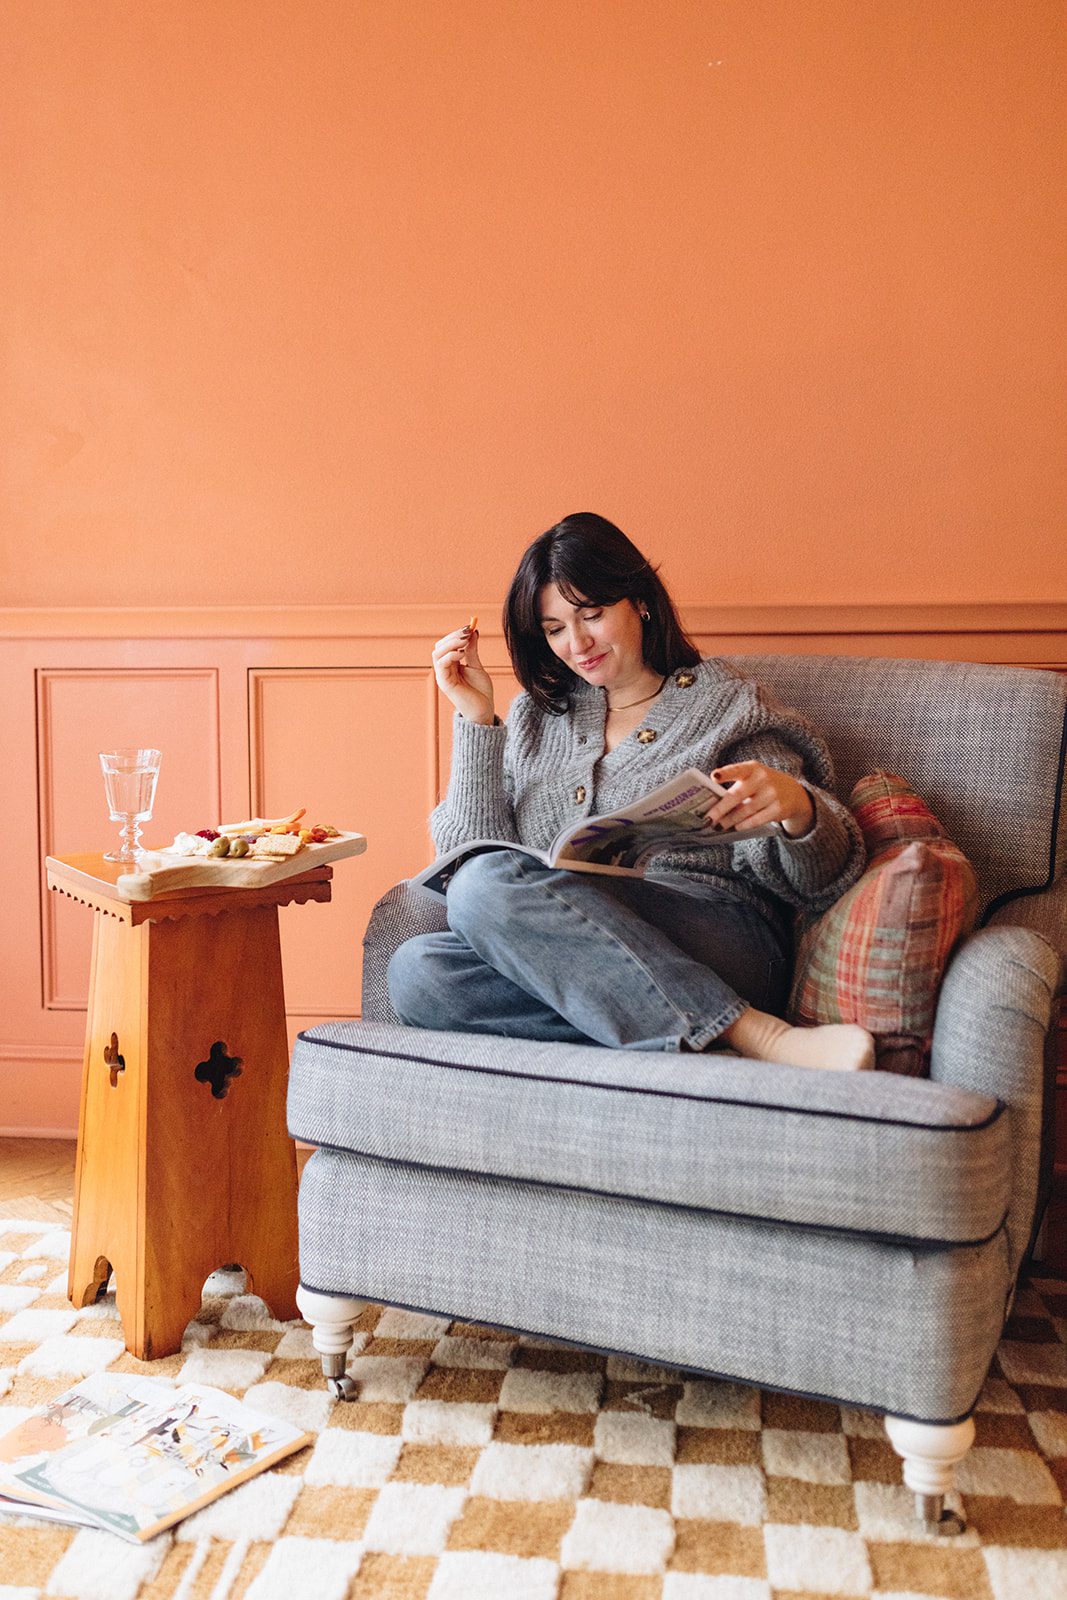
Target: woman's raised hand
[(760, 794), (461, 676)]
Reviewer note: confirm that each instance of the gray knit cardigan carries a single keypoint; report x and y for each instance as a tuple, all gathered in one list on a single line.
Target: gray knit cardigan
[(528, 778)]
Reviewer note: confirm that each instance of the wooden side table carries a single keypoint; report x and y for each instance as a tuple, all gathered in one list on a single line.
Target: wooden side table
[(184, 1161)]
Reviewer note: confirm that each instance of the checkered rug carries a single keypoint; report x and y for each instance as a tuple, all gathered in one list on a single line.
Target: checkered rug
[(476, 1465)]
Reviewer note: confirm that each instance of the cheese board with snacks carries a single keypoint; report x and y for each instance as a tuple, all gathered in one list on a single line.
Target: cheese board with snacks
[(239, 855)]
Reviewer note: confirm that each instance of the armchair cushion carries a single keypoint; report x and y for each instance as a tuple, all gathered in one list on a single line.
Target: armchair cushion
[(774, 1144), (877, 957)]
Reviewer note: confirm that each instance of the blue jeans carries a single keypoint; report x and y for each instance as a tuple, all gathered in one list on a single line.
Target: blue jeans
[(534, 952)]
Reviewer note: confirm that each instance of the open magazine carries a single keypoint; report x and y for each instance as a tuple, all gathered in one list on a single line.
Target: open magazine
[(670, 817), (134, 1455)]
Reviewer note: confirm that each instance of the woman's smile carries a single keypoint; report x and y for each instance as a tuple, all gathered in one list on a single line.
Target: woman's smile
[(602, 644)]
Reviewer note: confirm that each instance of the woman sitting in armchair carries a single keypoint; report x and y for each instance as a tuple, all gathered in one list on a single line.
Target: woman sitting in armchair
[(697, 953)]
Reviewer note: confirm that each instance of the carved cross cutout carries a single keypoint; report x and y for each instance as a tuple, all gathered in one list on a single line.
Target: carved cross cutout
[(116, 1062), (218, 1069)]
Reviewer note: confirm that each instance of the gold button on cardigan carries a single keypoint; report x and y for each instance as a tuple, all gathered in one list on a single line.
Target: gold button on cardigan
[(519, 782), (579, 793), (646, 735)]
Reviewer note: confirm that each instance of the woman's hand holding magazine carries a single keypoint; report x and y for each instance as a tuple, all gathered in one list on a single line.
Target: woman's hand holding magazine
[(677, 815)]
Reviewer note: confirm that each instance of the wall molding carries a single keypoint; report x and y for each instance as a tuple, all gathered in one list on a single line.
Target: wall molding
[(260, 682), (42, 1085), (245, 648), (420, 621), (48, 678)]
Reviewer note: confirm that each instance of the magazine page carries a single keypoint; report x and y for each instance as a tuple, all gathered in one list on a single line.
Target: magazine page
[(154, 1458), (439, 874), (26, 1508), (101, 1400), (624, 841)]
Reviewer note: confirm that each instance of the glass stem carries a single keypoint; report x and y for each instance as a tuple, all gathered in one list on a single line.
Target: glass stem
[(131, 839)]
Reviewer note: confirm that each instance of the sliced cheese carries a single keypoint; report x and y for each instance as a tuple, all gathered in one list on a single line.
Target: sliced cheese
[(259, 824)]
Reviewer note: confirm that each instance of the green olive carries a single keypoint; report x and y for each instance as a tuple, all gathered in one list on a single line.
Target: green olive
[(220, 847), (239, 847)]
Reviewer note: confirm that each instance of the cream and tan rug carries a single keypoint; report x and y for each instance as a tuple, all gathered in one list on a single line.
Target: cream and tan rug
[(480, 1466)]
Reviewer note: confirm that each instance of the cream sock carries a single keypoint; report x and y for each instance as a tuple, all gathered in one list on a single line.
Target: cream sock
[(839, 1046)]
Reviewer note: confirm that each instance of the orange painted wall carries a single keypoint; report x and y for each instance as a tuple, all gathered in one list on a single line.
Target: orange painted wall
[(344, 301)]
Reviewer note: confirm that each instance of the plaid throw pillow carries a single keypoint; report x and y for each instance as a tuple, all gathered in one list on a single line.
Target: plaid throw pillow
[(878, 955)]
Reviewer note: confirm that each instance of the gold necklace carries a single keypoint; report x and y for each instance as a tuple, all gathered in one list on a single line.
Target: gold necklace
[(631, 703)]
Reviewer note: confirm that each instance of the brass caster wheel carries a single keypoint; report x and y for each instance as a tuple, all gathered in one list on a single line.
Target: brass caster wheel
[(342, 1388)]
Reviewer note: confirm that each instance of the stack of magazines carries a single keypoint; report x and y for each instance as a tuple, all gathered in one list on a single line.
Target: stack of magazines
[(135, 1455)]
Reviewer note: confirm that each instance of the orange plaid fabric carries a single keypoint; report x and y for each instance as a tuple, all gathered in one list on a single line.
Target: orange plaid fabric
[(877, 957)]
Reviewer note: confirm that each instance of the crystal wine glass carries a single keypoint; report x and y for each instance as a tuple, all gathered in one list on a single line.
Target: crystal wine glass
[(130, 778)]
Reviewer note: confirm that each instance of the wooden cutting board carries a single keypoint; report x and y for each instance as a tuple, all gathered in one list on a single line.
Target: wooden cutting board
[(159, 872)]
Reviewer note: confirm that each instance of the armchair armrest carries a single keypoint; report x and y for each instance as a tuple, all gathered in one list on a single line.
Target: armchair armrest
[(1044, 912), (994, 1021), (400, 914)]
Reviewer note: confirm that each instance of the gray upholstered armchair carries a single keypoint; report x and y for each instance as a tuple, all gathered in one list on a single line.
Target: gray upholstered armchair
[(856, 1238)]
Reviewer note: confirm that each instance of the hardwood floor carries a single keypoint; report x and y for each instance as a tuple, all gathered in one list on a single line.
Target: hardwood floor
[(37, 1179)]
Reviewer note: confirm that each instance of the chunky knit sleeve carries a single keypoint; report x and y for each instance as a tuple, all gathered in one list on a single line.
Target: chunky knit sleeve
[(812, 871), (478, 804)]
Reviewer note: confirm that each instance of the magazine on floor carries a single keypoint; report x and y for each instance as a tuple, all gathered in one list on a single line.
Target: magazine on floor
[(622, 843), (135, 1455)]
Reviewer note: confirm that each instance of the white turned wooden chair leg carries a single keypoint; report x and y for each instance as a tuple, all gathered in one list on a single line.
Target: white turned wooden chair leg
[(931, 1452), (332, 1319)]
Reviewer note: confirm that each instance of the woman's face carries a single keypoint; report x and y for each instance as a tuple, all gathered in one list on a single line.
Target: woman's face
[(601, 644)]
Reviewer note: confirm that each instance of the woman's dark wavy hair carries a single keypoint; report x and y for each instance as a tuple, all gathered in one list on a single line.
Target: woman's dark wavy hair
[(591, 562)]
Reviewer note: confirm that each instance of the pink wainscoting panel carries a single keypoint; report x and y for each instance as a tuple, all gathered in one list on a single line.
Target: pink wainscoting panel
[(39, 1097), (81, 712), (358, 747), (333, 708)]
